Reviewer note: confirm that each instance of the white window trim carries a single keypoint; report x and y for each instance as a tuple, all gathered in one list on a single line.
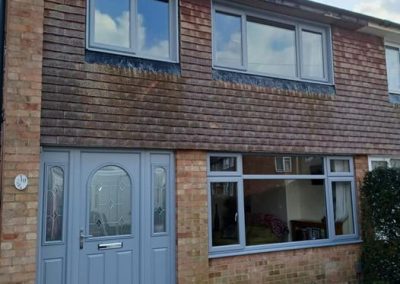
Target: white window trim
[(393, 45), (328, 177), (173, 34), (243, 12), (381, 159)]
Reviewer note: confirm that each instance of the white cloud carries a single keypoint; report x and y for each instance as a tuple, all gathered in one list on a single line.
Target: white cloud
[(112, 31), (385, 9), (230, 52), (115, 31)]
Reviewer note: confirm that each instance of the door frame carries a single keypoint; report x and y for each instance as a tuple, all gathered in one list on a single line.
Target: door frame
[(73, 181)]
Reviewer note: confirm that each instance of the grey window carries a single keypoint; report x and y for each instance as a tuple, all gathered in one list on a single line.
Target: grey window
[(272, 202), (383, 162), (393, 68), (271, 45), (143, 28)]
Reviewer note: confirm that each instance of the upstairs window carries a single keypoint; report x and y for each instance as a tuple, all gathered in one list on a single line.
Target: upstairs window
[(142, 28), (393, 68), (267, 45)]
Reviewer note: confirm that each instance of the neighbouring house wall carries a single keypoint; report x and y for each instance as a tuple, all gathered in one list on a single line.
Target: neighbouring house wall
[(106, 105), (20, 140)]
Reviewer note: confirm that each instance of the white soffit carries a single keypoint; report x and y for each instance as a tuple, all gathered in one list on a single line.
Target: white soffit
[(388, 33)]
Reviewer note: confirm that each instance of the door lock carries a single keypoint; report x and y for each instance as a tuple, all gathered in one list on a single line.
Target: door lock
[(82, 238)]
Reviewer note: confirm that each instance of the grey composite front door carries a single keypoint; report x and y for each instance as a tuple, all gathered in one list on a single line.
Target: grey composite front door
[(109, 219), (106, 218)]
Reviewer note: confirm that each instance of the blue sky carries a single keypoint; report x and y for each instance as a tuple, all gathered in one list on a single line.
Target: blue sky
[(385, 9)]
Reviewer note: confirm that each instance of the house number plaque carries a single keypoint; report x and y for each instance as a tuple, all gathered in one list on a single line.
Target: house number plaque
[(21, 182)]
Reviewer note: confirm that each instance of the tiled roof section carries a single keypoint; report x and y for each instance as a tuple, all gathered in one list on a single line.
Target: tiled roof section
[(100, 105)]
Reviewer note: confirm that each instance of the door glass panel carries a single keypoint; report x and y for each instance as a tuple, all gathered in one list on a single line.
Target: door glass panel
[(224, 210), (55, 205), (159, 200), (343, 209), (110, 202)]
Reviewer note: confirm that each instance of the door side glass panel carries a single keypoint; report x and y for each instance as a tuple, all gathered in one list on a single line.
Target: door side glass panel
[(224, 213), (55, 204), (271, 48), (342, 206), (228, 39), (160, 200), (110, 202), (112, 23)]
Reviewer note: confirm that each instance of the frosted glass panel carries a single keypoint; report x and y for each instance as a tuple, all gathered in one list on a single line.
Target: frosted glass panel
[(55, 204), (110, 202), (159, 200)]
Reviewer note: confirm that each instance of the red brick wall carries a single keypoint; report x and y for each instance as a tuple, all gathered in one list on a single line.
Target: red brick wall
[(100, 105), (20, 140), (191, 217), (316, 265)]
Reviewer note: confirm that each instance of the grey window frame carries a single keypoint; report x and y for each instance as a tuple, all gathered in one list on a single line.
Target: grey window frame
[(328, 177), (132, 51), (300, 25), (392, 45)]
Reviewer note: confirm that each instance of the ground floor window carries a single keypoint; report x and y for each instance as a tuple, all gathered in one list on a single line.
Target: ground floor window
[(266, 202), (383, 162)]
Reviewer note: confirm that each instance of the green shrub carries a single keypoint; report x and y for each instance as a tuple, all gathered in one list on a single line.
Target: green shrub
[(380, 206)]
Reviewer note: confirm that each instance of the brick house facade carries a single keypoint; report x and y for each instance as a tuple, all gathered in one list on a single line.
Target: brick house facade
[(60, 96)]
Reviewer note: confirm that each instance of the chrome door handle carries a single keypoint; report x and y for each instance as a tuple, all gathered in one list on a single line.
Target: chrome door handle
[(82, 238)]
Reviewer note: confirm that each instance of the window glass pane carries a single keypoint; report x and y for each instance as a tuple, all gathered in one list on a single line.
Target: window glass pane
[(395, 163), (312, 55), (110, 202), (379, 164), (271, 48), (228, 39), (160, 200), (224, 213), (393, 68), (342, 206), (223, 164), (153, 28), (112, 22), (340, 166), (279, 211), (271, 165), (55, 205)]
